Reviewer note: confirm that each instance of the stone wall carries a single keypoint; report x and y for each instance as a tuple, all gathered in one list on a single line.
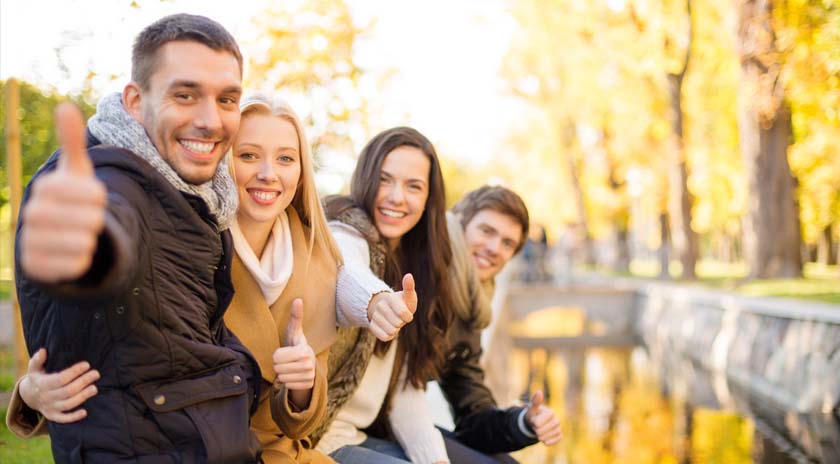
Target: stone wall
[(782, 350)]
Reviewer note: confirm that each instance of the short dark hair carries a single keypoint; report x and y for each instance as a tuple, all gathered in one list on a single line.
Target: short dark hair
[(496, 198), (175, 27)]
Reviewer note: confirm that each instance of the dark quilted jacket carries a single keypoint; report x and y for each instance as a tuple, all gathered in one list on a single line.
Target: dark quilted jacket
[(176, 385)]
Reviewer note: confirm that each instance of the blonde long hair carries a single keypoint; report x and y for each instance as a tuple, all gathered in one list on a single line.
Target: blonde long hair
[(306, 201)]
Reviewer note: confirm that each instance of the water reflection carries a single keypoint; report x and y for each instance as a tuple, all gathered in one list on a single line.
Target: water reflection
[(621, 405)]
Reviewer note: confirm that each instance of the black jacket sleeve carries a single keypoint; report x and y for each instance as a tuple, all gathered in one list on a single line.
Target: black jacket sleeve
[(479, 422)]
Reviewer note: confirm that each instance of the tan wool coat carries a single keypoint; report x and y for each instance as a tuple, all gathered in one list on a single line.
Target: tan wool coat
[(283, 432)]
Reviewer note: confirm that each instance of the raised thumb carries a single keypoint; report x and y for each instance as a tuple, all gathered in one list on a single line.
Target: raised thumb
[(537, 400), (294, 331), (70, 130), (409, 293)]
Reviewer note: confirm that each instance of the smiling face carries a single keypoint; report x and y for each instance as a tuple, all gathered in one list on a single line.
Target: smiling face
[(402, 194), (492, 238), (266, 166), (191, 107)]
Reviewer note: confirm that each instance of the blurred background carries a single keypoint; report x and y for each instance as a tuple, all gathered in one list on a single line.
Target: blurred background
[(682, 140)]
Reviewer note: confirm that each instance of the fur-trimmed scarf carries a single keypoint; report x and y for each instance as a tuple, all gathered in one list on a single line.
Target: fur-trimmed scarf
[(112, 125), (351, 352)]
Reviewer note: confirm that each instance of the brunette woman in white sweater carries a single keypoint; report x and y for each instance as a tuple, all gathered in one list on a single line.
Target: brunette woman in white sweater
[(392, 223)]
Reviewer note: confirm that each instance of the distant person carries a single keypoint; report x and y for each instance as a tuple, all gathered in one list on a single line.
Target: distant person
[(534, 253), (487, 228), (123, 263)]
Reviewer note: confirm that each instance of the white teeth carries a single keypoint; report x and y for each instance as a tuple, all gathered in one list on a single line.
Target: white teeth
[(265, 196), (198, 147), (483, 261), (391, 213)]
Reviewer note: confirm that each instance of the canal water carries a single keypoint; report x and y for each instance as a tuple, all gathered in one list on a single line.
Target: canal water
[(620, 405)]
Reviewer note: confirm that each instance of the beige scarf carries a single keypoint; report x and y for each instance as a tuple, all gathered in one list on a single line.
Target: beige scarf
[(274, 268)]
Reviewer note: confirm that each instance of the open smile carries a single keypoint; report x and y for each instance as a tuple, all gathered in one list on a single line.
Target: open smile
[(198, 149), (263, 197)]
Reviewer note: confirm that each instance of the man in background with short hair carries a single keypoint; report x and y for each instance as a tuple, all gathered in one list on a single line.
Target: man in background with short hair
[(487, 228)]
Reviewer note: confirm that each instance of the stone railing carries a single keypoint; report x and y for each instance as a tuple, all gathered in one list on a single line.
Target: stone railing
[(784, 350)]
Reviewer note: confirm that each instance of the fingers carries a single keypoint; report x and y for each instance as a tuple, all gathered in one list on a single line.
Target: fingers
[(380, 333), (294, 331), (387, 323), (291, 354), (58, 394), (546, 425), (67, 376), (70, 129), (295, 367), (66, 418), (409, 293)]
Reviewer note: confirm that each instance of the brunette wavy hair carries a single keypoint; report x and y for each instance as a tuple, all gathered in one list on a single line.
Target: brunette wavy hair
[(424, 251)]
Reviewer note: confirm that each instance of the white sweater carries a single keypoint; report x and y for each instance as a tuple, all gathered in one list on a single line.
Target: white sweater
[(410, 418)]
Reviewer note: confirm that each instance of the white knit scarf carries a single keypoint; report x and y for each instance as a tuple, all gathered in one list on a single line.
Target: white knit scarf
[(274, 268)]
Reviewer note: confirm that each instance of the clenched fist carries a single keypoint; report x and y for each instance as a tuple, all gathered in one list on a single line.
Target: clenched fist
[(66, 209)]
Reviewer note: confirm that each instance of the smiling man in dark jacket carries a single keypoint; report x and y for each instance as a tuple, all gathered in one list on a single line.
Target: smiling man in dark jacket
[(486, 228), (123, 258)]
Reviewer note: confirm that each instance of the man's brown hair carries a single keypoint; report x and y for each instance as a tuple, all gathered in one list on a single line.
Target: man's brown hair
[(496, 198), (186, 27)]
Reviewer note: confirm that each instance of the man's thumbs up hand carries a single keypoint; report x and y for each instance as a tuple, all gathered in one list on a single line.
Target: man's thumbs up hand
[(66, 209)]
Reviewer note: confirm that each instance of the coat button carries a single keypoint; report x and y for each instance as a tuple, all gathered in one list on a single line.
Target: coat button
[(135, 291), (160, 400), (237, 379), (120, 309), (96, 315)]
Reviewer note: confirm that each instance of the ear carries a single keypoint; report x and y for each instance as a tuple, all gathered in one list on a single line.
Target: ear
[(132, 97)]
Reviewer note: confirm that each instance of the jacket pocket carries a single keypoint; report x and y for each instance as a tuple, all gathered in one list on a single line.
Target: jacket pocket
[(216, 403)]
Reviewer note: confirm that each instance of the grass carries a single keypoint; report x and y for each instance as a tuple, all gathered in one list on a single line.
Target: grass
[(819, 283), (13, 450)]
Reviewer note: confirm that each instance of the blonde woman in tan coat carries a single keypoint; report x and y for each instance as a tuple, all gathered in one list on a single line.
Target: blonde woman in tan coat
[(292, 290)]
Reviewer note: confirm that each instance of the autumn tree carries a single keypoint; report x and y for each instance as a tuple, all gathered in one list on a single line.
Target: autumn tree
[(772, 237), (305, 52)]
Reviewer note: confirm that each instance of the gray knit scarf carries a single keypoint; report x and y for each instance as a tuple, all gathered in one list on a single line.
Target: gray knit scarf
[(112, 125)]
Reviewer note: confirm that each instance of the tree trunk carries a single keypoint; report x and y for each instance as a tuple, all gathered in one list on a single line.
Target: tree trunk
[(568, 134), (664, 247), (772, 238), (680, 201), (621, 215), (825, 247)]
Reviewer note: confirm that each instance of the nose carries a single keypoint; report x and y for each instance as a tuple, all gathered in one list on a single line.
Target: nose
[(395, 195), (208, 119), (493, 245), (266, 172)]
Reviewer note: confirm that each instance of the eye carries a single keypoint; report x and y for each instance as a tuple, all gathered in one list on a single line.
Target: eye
[(247, 156), (415, 187), (286, 159), (384, 180), (186, 97), (228, 100)]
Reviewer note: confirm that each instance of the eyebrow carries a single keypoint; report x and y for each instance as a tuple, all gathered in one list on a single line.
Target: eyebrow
[(414, 179), (256, 145), (182, 83)]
